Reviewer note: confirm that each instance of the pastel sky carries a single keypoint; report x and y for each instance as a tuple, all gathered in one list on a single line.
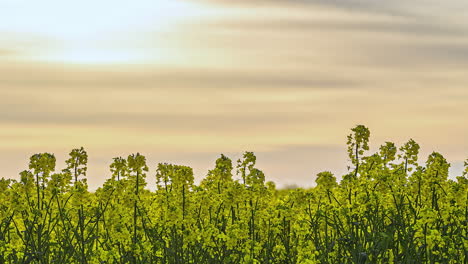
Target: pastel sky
[(184, 81)]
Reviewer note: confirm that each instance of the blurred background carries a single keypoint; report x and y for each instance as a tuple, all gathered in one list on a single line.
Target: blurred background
[(184, 81)]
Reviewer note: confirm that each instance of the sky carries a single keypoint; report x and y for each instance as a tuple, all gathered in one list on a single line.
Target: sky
[(183, 81)]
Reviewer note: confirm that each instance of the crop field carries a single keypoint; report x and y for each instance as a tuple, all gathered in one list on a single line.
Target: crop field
[(391, 207)]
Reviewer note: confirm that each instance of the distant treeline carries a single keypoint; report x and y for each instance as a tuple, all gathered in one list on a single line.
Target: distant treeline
[(388, 209)]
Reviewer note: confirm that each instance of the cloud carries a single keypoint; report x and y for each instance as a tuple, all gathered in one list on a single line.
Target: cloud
[(168, 122), (311, 24), (163, 78), (398, 8), (7, 52)]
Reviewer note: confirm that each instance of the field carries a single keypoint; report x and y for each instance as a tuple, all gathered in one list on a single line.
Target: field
[(389, 208)]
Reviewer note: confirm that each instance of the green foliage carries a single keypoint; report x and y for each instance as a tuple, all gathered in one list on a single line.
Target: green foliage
[(388, 152), (119, 168), (377, 213), (137, 169), (409, 153), (358, 142), (465, 173), (76, 164), (42, 165), (326, 180)]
